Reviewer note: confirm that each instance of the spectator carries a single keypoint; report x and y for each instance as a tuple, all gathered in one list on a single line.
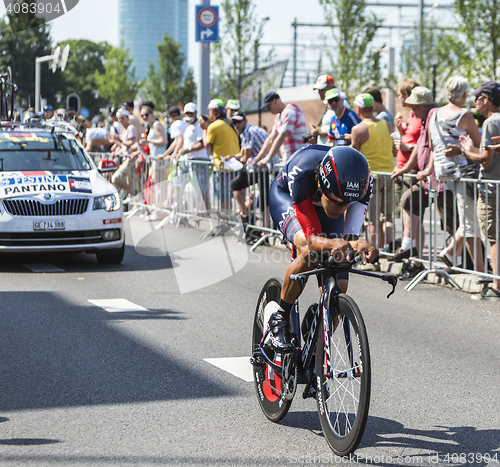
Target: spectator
[(232, 106), (126, 176), (323, 84), (252, 138), (221, 141), (343, 120), (97, 137), (288, 131), (114, 127), (488, 104), (48, 112), (193, 149), (378, 106), (372, 137), (447, 125), (156, 141), (129, 107), (423, 106), (177, 129), (409, 133)]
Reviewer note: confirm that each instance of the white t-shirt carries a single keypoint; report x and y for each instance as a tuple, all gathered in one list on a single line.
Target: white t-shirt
[(96, 133), (193, 135), (178, 128)]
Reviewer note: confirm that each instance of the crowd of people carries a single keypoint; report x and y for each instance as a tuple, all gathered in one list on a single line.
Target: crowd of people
[(438, 145)]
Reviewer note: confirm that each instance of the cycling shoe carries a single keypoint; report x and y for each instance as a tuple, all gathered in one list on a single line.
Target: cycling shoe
[(278, 338)]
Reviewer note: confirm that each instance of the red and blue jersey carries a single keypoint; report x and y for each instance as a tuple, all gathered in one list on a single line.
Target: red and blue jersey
[(299, 178)]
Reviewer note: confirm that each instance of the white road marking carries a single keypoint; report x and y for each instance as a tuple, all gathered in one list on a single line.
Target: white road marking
[(43, 267), (237, 366), (118, 305)]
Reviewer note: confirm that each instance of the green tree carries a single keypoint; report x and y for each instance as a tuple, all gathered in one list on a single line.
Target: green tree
[(431, 47), (166, 84), (353, 31), (85, 59), (235, 53), (118, 81), (24, 37), (480, 23)]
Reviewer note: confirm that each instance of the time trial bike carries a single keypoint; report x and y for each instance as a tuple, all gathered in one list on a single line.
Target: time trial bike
[(333, 362)]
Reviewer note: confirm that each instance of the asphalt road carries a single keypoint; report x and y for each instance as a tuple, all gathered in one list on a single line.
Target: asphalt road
[(83, 386)]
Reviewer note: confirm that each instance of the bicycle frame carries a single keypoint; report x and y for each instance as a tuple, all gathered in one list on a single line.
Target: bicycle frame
[(329, 286)]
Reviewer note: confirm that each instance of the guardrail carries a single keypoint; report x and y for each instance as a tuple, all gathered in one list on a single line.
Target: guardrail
[(195, 190)]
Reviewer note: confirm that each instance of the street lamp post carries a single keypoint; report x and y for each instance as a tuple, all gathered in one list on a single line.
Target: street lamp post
[(58, 58)]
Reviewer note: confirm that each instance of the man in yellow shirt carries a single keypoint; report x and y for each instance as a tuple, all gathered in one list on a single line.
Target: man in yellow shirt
[(372, 137), (222, 140)]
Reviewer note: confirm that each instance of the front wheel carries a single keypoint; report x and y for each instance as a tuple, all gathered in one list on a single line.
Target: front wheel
[(273, 391), (343, 392)]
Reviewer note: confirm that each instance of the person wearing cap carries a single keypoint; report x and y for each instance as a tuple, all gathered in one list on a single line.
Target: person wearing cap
[(487, 97), (343, 120), (372, 137), (288, 130), (48, 112), (252, 138), (423, 106), (232, 105), (129, 107), (323, 84), (128, 134)]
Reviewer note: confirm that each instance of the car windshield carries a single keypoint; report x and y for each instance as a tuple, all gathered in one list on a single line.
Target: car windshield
[(53, 152)]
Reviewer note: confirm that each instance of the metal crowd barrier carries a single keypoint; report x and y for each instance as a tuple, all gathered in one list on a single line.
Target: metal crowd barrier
[(444, 204), (196, 190)]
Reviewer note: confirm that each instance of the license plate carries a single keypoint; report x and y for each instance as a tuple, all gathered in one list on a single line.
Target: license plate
[(49, 225)]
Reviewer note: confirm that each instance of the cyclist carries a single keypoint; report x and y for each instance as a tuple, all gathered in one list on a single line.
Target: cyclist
[(319, 202)]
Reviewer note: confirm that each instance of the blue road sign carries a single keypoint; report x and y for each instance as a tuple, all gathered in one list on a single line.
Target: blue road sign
[(207, 23)]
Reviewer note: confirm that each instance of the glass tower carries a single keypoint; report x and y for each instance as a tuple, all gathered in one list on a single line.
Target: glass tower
[(141, 26)]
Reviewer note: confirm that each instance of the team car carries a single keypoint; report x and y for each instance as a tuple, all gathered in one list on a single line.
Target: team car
[(52, 196)]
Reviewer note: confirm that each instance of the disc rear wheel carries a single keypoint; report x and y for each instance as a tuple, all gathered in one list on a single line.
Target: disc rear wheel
[(274, 391)]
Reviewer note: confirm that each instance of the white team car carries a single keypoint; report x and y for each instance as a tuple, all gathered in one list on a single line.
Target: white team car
[(52, 196)]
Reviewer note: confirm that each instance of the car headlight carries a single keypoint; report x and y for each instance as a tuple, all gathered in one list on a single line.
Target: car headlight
[(108, 202)]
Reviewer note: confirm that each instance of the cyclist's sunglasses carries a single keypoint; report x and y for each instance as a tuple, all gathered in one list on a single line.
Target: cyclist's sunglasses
[(338, 202)]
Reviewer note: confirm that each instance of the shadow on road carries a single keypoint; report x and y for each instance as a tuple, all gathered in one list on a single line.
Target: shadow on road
[(28, 441), (83, 262), (54, 353), (447, 443), (443, 443)]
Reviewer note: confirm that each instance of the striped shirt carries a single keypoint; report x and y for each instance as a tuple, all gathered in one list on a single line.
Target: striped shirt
[(292, 122), (253, 138)]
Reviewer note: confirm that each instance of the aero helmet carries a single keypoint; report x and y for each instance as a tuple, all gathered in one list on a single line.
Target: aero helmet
[(344, 175)]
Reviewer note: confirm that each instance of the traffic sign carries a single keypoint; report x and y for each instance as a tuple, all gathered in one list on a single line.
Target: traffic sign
[(207, 23)]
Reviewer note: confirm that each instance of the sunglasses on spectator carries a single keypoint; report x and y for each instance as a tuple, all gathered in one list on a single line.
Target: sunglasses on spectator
[(479, 96), (145, 115), (334, 99)]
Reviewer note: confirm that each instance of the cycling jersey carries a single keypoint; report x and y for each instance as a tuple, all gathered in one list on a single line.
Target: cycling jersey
[(295, 199), (343, 125)]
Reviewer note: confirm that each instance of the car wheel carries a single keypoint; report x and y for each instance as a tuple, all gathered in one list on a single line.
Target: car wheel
[(111, 256)]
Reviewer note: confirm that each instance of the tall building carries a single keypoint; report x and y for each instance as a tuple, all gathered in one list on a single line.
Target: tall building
[(141, 26)]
